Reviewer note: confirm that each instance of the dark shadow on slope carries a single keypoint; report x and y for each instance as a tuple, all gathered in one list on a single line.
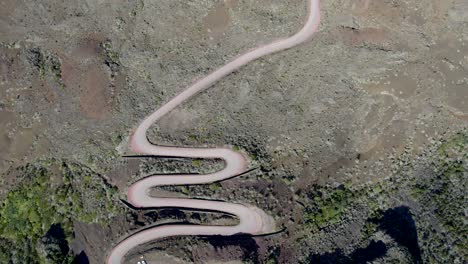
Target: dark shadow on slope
[(56, 235), (399, 224), (55, 244), (373, 251), (81, 258), (330, 258)]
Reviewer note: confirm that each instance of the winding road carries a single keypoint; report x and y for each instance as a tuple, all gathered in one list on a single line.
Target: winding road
[(252, 220)]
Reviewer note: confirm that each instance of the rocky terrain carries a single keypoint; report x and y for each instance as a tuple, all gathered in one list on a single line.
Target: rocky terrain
[(358, 138)]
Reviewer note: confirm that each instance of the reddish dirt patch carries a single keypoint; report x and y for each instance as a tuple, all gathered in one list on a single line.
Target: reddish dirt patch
[(7, 7), (68, 71), (9, 66), (83, 71), (218, 19), (96, 93), (87, 48)]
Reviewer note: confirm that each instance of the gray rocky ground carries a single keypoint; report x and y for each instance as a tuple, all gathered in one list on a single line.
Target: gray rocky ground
[(359, 136)]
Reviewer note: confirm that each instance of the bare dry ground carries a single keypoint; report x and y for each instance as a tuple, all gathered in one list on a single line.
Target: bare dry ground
[(366, 105)]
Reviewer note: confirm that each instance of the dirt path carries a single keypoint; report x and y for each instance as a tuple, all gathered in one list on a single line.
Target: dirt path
[(252, 220)]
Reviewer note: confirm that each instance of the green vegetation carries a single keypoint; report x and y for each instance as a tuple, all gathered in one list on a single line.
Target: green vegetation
[(214, 186), (46, 63), (194, 138), (196, 162), (253, 156), (28, 211), (184, 190), (49, 197), (54, 66), (328, 205), (454, 145), (439, 191), (112, 55), (112, 58), (19, 252), (445, 194)]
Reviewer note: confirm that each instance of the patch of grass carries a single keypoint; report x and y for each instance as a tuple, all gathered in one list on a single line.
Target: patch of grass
[(196, 162), (328, 206), (457, 142), (444, 196), (197, 138), (369, 229), (184, 190), (28, 212), (214, 186), (112, 58), (46, 63), (253, 156), (440, 193), (447, 191), (40, 202)]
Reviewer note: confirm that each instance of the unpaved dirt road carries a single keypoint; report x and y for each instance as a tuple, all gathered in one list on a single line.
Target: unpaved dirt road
[(252, 220)]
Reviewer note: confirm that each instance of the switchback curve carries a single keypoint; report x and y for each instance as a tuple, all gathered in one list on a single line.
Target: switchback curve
[(252, 220)]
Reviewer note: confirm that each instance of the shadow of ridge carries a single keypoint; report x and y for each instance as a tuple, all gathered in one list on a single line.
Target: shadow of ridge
[(195, 173), (235, 236), (372, 252), (148, 227), (55, 244), (57, 233), (249, 235), (197, 210), (136, 156), (81, 258), (399, 224), (179, 208)]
